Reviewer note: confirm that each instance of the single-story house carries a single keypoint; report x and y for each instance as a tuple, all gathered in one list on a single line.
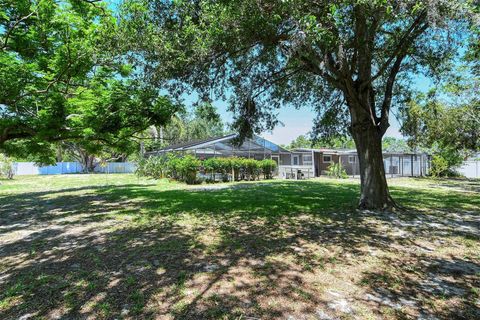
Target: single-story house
[(300, 163)]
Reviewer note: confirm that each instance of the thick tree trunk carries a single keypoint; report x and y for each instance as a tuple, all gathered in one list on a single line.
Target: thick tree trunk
[(87, 162), (374, 189)]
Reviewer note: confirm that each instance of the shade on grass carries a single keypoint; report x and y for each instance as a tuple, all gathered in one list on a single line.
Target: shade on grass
[(103, 246)]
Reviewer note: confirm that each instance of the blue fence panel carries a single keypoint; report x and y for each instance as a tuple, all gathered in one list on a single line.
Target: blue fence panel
[(71, 167), (117, 167), (54, 169)]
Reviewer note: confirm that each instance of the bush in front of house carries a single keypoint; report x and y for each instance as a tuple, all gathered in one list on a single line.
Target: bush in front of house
[(185, 168), (336, 170), (252, 169), (213, 166), (210, 166), (268, 167), (154, 167), (172, 166)]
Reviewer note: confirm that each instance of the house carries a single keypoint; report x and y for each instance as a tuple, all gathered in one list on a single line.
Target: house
[(300, 163)]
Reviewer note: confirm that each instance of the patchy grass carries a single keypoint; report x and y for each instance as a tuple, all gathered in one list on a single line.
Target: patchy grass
[(110, 247)]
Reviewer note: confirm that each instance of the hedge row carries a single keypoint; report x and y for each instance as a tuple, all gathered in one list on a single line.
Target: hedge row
[(186, 168)]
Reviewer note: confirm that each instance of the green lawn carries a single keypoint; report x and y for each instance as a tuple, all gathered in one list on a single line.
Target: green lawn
[(119, 247)]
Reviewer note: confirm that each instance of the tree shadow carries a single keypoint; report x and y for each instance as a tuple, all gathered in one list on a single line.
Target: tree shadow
[(132, 251), (455, 184), (432, 287)]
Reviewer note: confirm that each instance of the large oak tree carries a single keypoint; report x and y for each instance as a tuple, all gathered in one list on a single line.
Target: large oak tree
[(351, 59)]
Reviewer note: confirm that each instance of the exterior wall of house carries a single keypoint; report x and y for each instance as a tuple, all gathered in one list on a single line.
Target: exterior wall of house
[(395, 165), (323, 165), (301, 158), (285, 159), (350, 163)]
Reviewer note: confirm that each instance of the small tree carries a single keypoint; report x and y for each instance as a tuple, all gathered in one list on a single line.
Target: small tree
[(451, 132), (439, 166), (6, 166)]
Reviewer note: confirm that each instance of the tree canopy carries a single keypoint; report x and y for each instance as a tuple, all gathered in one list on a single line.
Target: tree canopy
[(389, 144), (273, 53), (61, 80)]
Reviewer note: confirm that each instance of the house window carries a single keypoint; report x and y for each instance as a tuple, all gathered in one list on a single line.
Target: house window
[(352, 159), (327, 158), (307, 159)]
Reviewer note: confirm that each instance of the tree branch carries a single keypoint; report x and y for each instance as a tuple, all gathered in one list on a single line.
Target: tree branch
[(387, 101), (7, 35), (406, 39)]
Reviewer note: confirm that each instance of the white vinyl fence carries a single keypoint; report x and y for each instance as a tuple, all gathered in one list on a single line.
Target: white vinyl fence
[(470, 169), (28, 168)]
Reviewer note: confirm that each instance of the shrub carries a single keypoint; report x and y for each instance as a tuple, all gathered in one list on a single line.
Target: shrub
[(210, 166), (188, 167), (225, 167), (154, 167), (172, 167), (252, 169), (6, 166), (268, 167), (218, 165), (335, 170), (439, 167), (445, 161)]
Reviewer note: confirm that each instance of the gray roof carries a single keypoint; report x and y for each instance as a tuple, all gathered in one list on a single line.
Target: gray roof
[(249, 143)]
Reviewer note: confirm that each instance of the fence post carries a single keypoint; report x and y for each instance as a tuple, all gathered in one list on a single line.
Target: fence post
[(391, 166), (411, 165)]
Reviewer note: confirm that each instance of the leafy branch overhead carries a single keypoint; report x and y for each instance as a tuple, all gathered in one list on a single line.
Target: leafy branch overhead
[(62, 78)]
